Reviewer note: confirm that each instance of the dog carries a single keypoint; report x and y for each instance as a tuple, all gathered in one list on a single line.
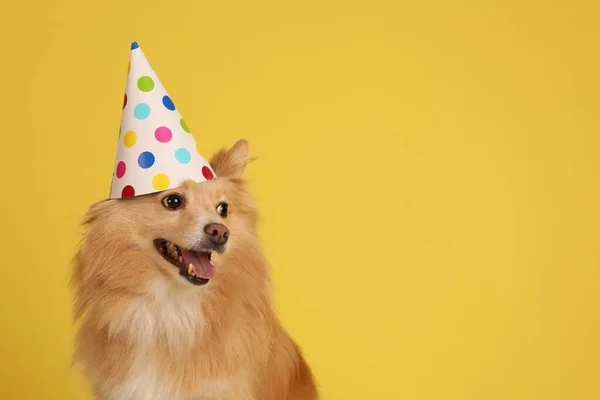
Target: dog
[(173, 297)]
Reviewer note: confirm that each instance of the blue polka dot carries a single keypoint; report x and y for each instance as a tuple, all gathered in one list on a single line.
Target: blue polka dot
[(182, 155), (141, 111), (168, 103), (134, 45), (146, 160)]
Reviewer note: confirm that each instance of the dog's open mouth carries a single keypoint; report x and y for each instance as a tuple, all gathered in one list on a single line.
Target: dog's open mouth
[(193, 265)]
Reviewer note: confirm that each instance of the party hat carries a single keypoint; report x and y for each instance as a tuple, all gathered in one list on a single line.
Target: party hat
[(156, 150)]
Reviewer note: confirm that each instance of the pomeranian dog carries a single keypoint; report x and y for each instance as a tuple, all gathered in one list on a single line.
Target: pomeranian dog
[(173, 297)]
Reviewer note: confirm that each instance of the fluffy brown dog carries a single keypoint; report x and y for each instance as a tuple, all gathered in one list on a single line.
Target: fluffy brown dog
[(173, 296)]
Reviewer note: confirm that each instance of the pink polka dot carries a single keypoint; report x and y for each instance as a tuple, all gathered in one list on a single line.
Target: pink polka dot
[(163, 134), (207, 173), (121, 168)]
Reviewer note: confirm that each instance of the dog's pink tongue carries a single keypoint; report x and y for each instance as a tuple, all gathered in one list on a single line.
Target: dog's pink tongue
[(200, 263)]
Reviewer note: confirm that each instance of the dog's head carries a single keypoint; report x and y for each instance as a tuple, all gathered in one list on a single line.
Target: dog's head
[(181, 235)]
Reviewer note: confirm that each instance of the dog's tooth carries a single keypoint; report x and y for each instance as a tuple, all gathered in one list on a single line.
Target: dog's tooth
[(191, 270)]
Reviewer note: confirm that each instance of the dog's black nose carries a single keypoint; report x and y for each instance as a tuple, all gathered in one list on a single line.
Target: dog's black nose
[(217, 233)]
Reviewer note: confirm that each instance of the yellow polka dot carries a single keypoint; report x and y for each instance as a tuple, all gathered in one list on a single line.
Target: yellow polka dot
[(160, 181), (130, 138), (198, 149), (128, 67)]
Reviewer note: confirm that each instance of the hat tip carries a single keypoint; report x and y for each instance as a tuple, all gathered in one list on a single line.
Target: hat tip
[(134, 45)]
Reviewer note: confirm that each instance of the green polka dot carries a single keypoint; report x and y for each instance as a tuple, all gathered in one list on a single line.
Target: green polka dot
[(184, 126), (145, 84)]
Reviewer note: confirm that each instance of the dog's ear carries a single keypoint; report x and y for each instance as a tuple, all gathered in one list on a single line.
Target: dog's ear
[(231, 162), (97, 210)]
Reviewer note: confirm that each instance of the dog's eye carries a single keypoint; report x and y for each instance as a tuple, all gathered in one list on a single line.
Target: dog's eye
[(222, 209), (173, 201)]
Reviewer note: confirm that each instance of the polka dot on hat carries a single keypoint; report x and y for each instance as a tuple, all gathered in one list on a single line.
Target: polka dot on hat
[(183, 155), (128, 191), (129, 139), (168, 103), (146, 160), (163, 134), (161, 181), (145, 84), (121, 168), (207, 173), (184, 126), (141, 111)]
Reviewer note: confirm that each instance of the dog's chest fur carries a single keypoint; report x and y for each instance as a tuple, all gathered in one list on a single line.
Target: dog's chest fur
[(174, 320)]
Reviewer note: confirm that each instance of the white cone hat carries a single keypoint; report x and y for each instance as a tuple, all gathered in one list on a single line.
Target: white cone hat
[(156, 150)]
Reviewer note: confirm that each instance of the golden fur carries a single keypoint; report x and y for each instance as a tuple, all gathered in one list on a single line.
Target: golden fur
[(147, 334)]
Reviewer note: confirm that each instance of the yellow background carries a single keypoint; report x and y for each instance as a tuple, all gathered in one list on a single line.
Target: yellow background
[(428, 179)]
